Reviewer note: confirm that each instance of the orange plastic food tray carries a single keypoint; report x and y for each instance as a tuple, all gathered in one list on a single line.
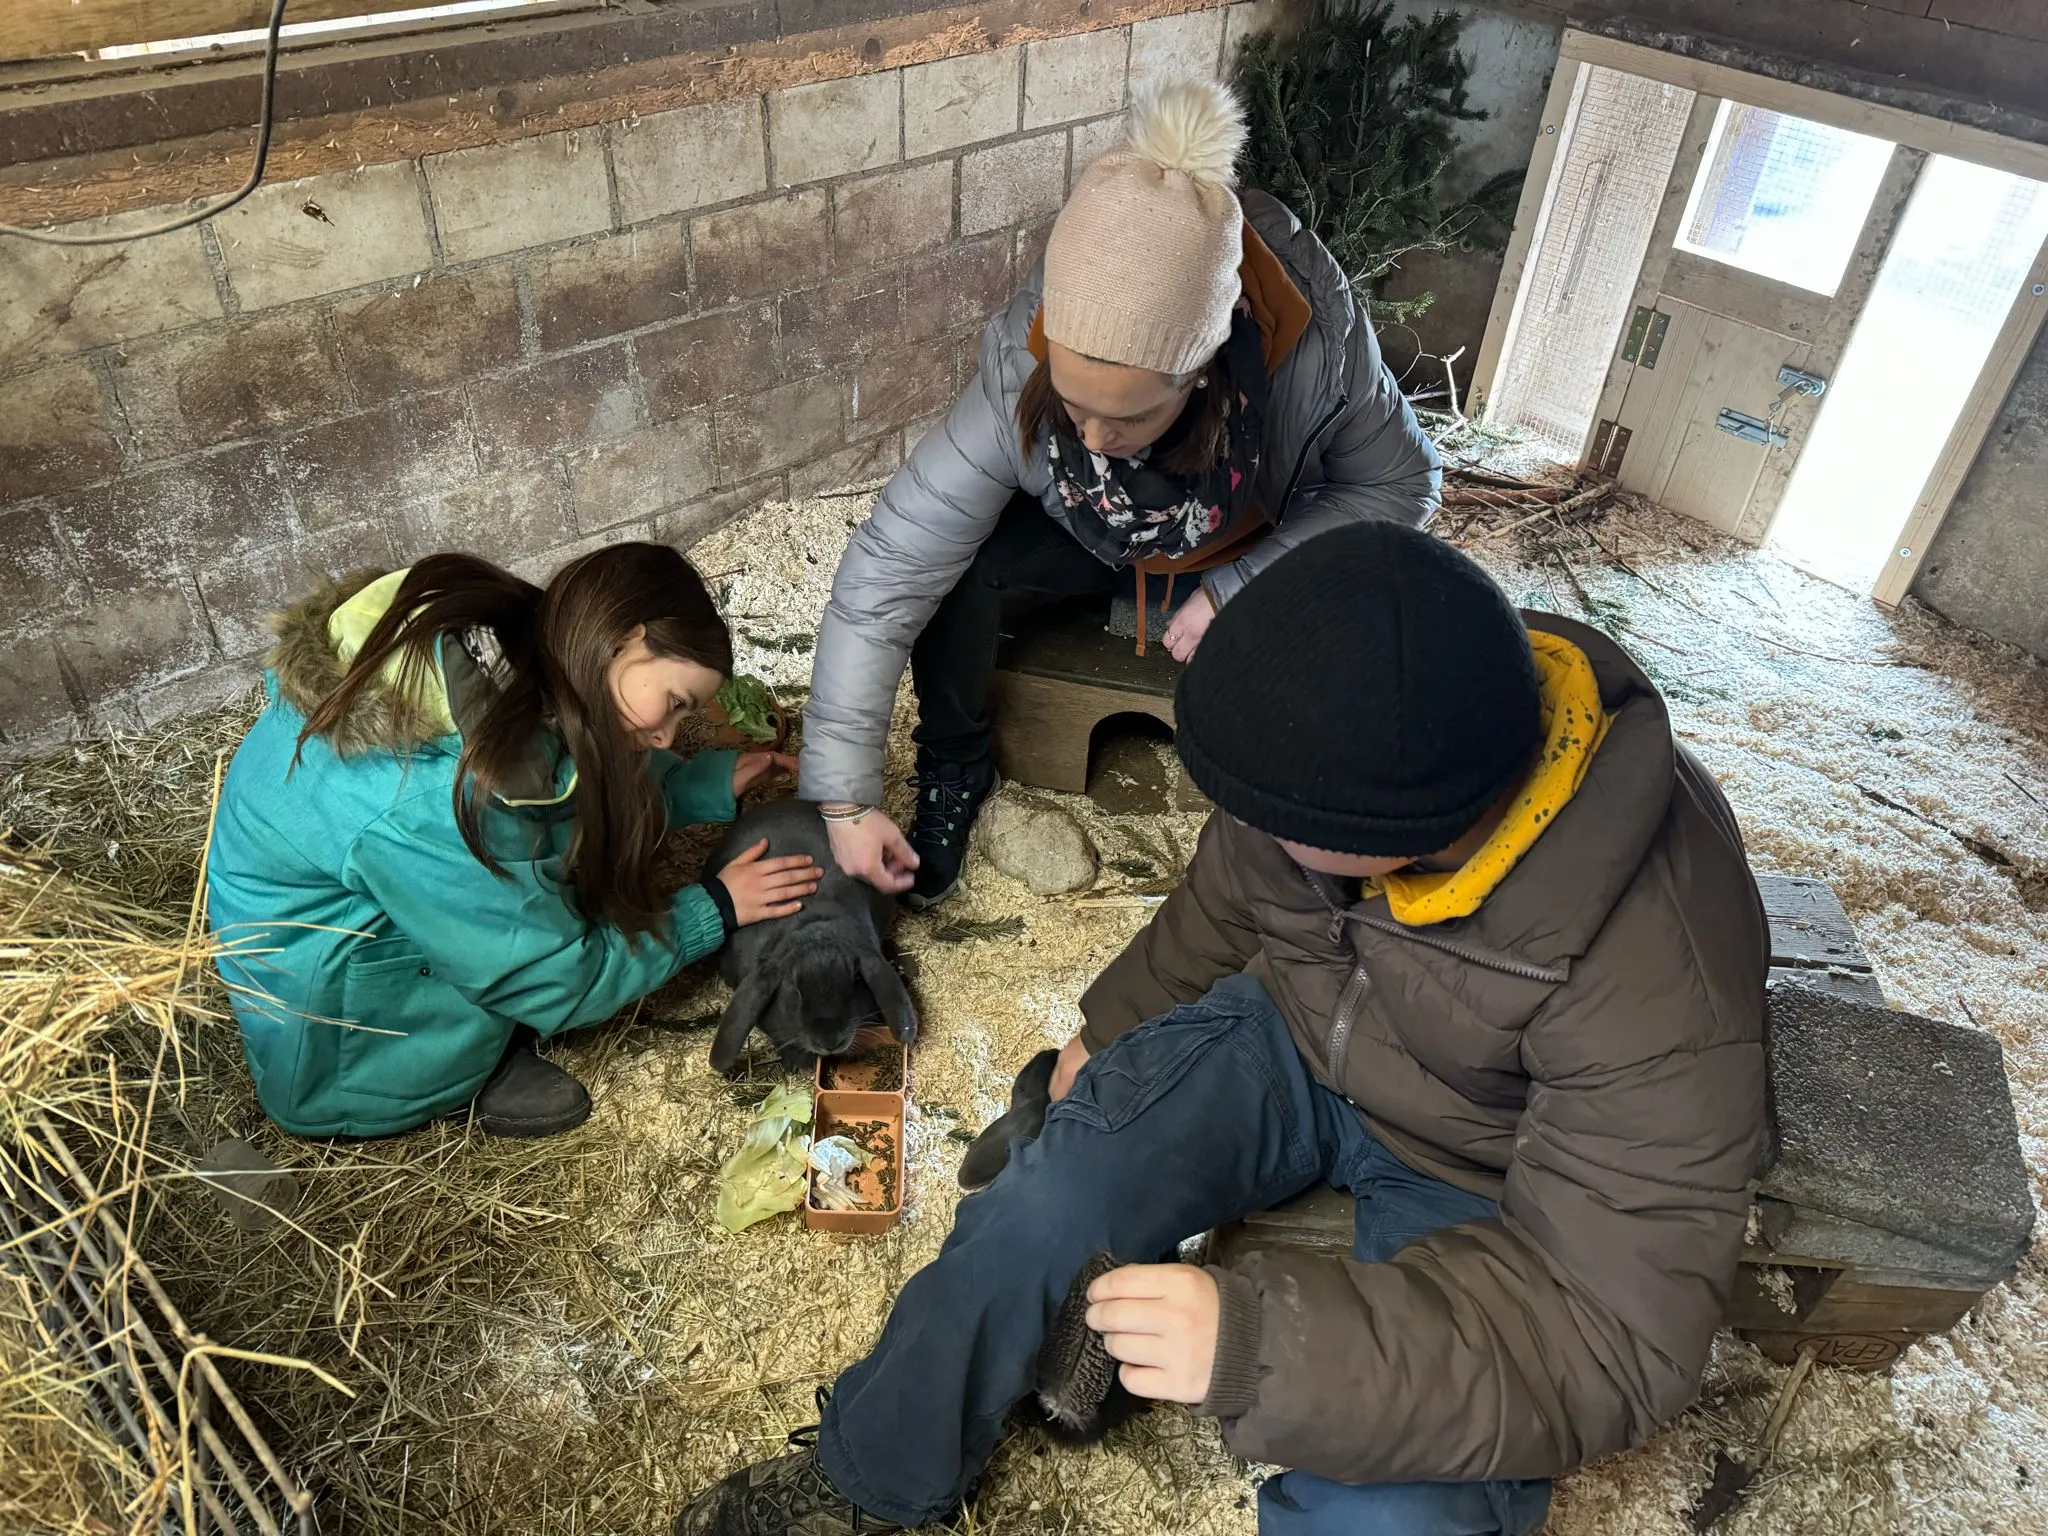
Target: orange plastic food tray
[(848, 1096)]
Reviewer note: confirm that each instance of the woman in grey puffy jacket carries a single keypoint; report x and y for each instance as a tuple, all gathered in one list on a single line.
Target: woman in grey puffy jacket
[(1185, 387)]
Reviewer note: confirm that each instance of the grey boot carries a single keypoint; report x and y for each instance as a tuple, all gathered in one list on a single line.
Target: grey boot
[(1030, 1098)]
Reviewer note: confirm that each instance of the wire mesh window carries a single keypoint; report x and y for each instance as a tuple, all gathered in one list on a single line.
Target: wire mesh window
[(1782, 197), (1621, 137)]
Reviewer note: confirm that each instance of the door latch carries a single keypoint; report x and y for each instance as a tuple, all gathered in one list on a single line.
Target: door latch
[(1751, 429), (1800, 382)]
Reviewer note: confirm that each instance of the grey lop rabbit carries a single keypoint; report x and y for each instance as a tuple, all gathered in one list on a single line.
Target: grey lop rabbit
[(813, 980)]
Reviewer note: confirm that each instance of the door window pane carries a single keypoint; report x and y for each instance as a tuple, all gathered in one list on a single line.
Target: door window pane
[(1782, 197)]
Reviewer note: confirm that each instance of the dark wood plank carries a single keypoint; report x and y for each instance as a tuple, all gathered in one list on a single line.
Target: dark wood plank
[(1809, 929), (1857, 986), (1078, 648)]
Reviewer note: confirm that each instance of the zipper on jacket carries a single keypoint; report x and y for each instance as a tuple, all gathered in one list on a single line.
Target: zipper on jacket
[(1347, 1011), (1301, 458), (1471, 953)]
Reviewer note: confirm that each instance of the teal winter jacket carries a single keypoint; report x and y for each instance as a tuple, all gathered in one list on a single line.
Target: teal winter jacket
[(376, 968)]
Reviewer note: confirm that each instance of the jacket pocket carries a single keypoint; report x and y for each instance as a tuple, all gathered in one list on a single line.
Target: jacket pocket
[(408, 1035), (1128, 1077)]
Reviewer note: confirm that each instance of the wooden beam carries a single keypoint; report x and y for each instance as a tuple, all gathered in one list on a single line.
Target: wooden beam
[(35, 29)]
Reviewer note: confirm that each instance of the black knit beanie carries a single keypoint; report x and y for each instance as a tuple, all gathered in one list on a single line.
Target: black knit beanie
[(1370, 692)]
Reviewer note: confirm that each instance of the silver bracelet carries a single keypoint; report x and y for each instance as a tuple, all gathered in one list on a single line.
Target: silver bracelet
[(858, 813)]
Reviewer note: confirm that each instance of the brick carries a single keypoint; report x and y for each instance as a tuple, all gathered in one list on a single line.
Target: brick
[(473, 318), (880, 218), (960, 101), (63, 299), (862, 464), (1089, 140), (638, 476), (129, 533), (834, 128), (323, 234), (509, 197), (242, 379), (1170, 48), (211, 688), (54, 432), (1031, 242), (620, 283), (673, 161), (565, 402), (684, 526), (38, 574), (761, 433), (1011, 183), (1077, 76), (502, 517), (35, 706), (901, 386), (966, 360), (955, 288), (240, 595), (375, 462), (917, 431), (138, 640), (823, 327), (761, 248), (700, 360)]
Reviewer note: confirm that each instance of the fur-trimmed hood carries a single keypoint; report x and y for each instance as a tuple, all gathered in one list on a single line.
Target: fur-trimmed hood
[(308, 668)]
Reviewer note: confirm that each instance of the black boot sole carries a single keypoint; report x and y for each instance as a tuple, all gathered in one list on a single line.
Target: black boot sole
[(531, 1128)]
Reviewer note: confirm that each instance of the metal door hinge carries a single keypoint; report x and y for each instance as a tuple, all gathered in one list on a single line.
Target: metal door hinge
[(1610, 446), (1751, 429), (1645, 340)]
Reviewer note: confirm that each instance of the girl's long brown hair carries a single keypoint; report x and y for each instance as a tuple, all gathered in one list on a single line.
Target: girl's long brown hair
[(1204, 432), (557, 644)]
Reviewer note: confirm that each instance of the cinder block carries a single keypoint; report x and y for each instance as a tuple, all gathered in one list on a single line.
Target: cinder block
[(240, 379), (61, 299), (1031, 243), (673, 161), (138, 640), (638, 476), (1013, 183), (880, 218), (372, 463), (960, 101), (510, 197), (834, 128), (324, 234), (564, 402), (760, 248), (210, 688), (473, 318), (38, 574), (620, 283), (824, 327), (684, 526), (502, 517), (759, 434), (1081, 75), (1090, 140), (135, 533), (240, 595), (958, 287), (1170, 48), (35, 708), (54, 432), (862, 464), (899, 387), (727, 353)]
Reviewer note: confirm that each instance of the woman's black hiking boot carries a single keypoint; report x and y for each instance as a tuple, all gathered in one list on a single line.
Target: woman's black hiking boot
[(528, 1095), (949, 797), (788, 1495)]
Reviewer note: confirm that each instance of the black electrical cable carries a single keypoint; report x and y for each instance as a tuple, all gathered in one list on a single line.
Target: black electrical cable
[(200, 215)]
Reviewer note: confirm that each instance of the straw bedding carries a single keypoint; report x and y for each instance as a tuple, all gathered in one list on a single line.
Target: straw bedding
[(553, 1337)]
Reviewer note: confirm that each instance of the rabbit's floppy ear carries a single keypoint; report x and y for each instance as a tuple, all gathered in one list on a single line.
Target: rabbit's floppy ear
[(750, 1000), (893, 996), (785, 1024)]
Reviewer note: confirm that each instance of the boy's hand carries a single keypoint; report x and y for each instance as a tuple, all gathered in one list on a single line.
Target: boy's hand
[(1073, 1056), (1160, 1320), (764, 888), (750, 768)]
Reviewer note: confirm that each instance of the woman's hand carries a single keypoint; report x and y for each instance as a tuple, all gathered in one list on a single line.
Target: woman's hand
[(1160, 1320), (750, 768), (1188, 625), (873, 849), (764, 888)]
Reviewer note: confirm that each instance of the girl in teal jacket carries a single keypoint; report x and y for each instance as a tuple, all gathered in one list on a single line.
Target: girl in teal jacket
[(439, 840)]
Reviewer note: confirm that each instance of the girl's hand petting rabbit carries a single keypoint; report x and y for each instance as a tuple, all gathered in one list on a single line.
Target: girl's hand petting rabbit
[(764, 888), (752, 767)]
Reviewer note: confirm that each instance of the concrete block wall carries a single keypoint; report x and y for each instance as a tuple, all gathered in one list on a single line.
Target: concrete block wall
[(526, 349)]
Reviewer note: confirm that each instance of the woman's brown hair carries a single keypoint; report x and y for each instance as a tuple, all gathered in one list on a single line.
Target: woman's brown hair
[(1200, 434), (557, 646)]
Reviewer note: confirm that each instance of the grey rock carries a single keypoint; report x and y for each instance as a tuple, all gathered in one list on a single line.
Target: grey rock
[(255, 1193), (1036, 843), (1897, 1146)]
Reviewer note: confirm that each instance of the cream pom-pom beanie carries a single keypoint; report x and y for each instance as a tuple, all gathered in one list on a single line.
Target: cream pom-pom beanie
[(1142, 265)]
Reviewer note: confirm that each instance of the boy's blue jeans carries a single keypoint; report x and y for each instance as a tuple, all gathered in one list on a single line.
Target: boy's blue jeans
[(1177, 1127)]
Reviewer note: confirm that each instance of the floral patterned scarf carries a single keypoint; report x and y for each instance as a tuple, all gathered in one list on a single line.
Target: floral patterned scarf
[(1126, 509)]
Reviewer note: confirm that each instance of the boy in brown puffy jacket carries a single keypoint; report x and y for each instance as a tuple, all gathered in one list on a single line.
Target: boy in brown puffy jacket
[(1470, 935)]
